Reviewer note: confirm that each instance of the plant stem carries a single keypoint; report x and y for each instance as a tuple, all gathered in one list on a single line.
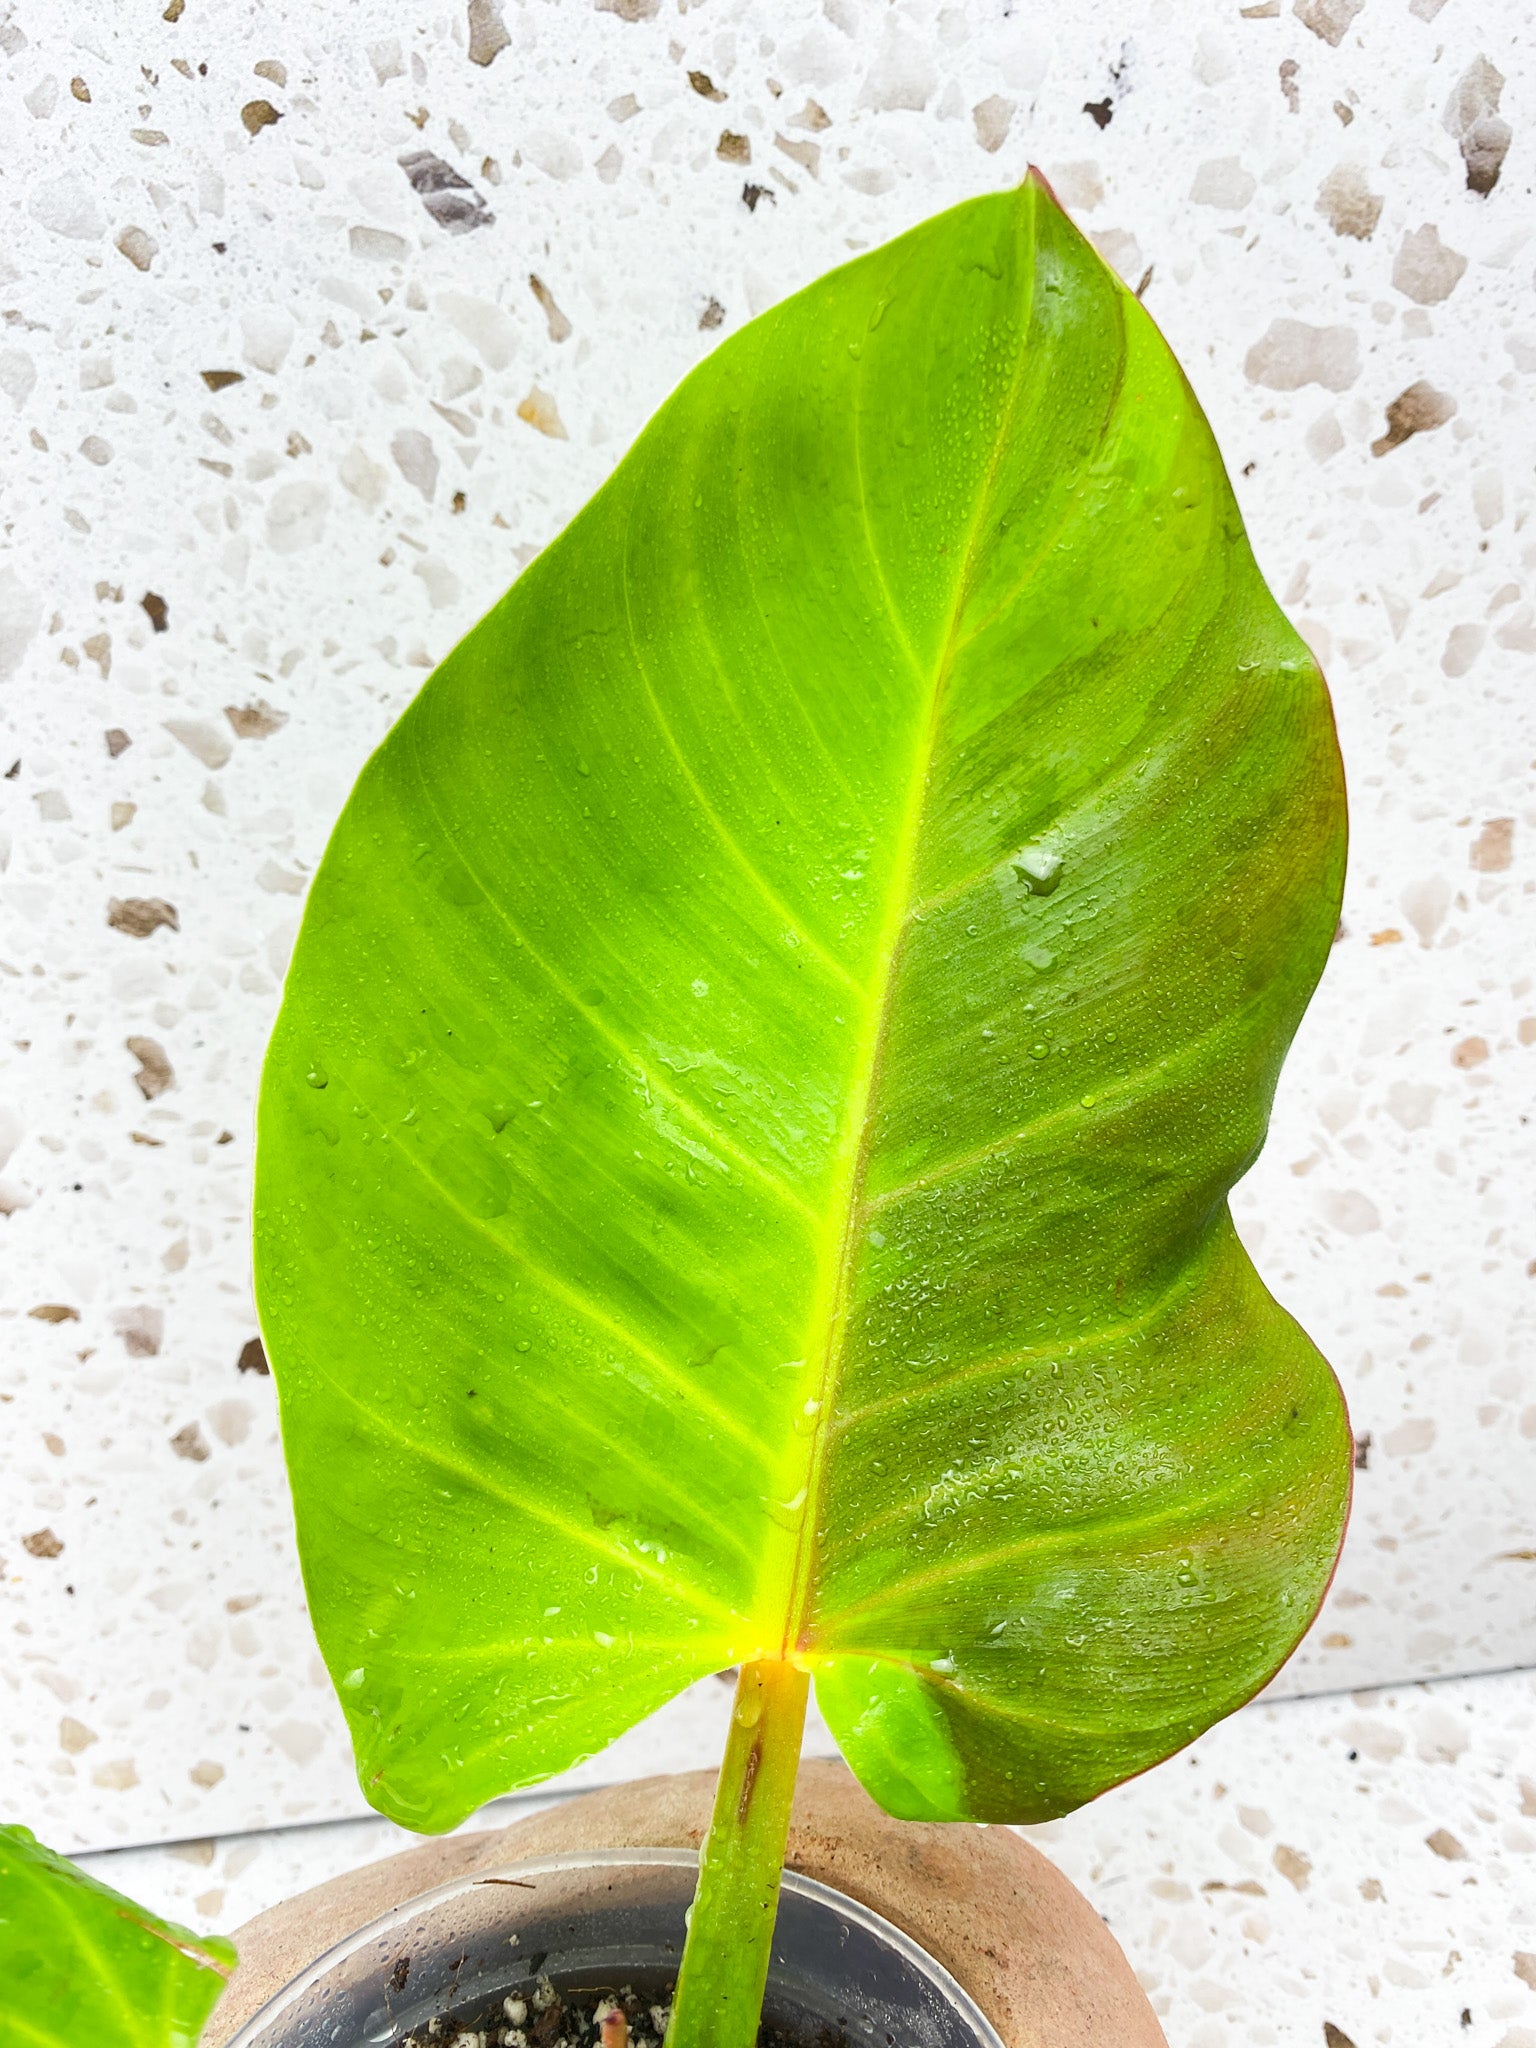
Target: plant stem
[(719, 1998)]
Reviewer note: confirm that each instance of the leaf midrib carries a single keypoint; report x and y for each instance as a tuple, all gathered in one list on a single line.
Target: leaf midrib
[(830, 1314)]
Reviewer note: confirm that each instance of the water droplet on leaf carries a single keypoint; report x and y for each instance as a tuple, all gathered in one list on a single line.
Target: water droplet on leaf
[(1038, 868)]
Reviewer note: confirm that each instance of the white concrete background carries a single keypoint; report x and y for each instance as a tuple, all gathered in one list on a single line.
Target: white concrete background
[(322, 531)]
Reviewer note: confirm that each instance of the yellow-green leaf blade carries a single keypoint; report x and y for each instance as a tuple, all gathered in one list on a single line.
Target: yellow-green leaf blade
[(744, 1151), (81, 1963)]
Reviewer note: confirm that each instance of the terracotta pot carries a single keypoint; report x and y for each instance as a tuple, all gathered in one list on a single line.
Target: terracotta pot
[(1028, 1948)]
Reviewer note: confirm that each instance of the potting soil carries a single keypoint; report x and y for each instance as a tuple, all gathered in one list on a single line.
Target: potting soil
[(547, 2018)]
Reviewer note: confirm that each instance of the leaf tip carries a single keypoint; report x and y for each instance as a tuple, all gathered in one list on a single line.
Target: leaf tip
[(1035, 178)]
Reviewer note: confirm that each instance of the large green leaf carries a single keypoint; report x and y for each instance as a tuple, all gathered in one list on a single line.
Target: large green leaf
[(743, 1153), (83, 1967)]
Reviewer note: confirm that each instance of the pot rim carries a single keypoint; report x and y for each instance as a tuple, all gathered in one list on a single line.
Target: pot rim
[(912, 1952)]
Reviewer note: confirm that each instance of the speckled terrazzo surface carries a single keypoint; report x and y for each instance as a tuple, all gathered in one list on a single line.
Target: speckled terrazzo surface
[(286, 406)]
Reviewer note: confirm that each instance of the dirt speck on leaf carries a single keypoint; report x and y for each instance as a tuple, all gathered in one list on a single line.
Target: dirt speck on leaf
[(1418, 410), (138, 916)]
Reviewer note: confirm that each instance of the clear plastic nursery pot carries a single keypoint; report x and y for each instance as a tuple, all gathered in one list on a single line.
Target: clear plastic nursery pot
[(928, 1933), (602, 1920)]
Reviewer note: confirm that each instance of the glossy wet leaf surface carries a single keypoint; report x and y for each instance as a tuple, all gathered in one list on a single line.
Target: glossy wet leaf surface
[(82, 1967), (743, 1155)]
